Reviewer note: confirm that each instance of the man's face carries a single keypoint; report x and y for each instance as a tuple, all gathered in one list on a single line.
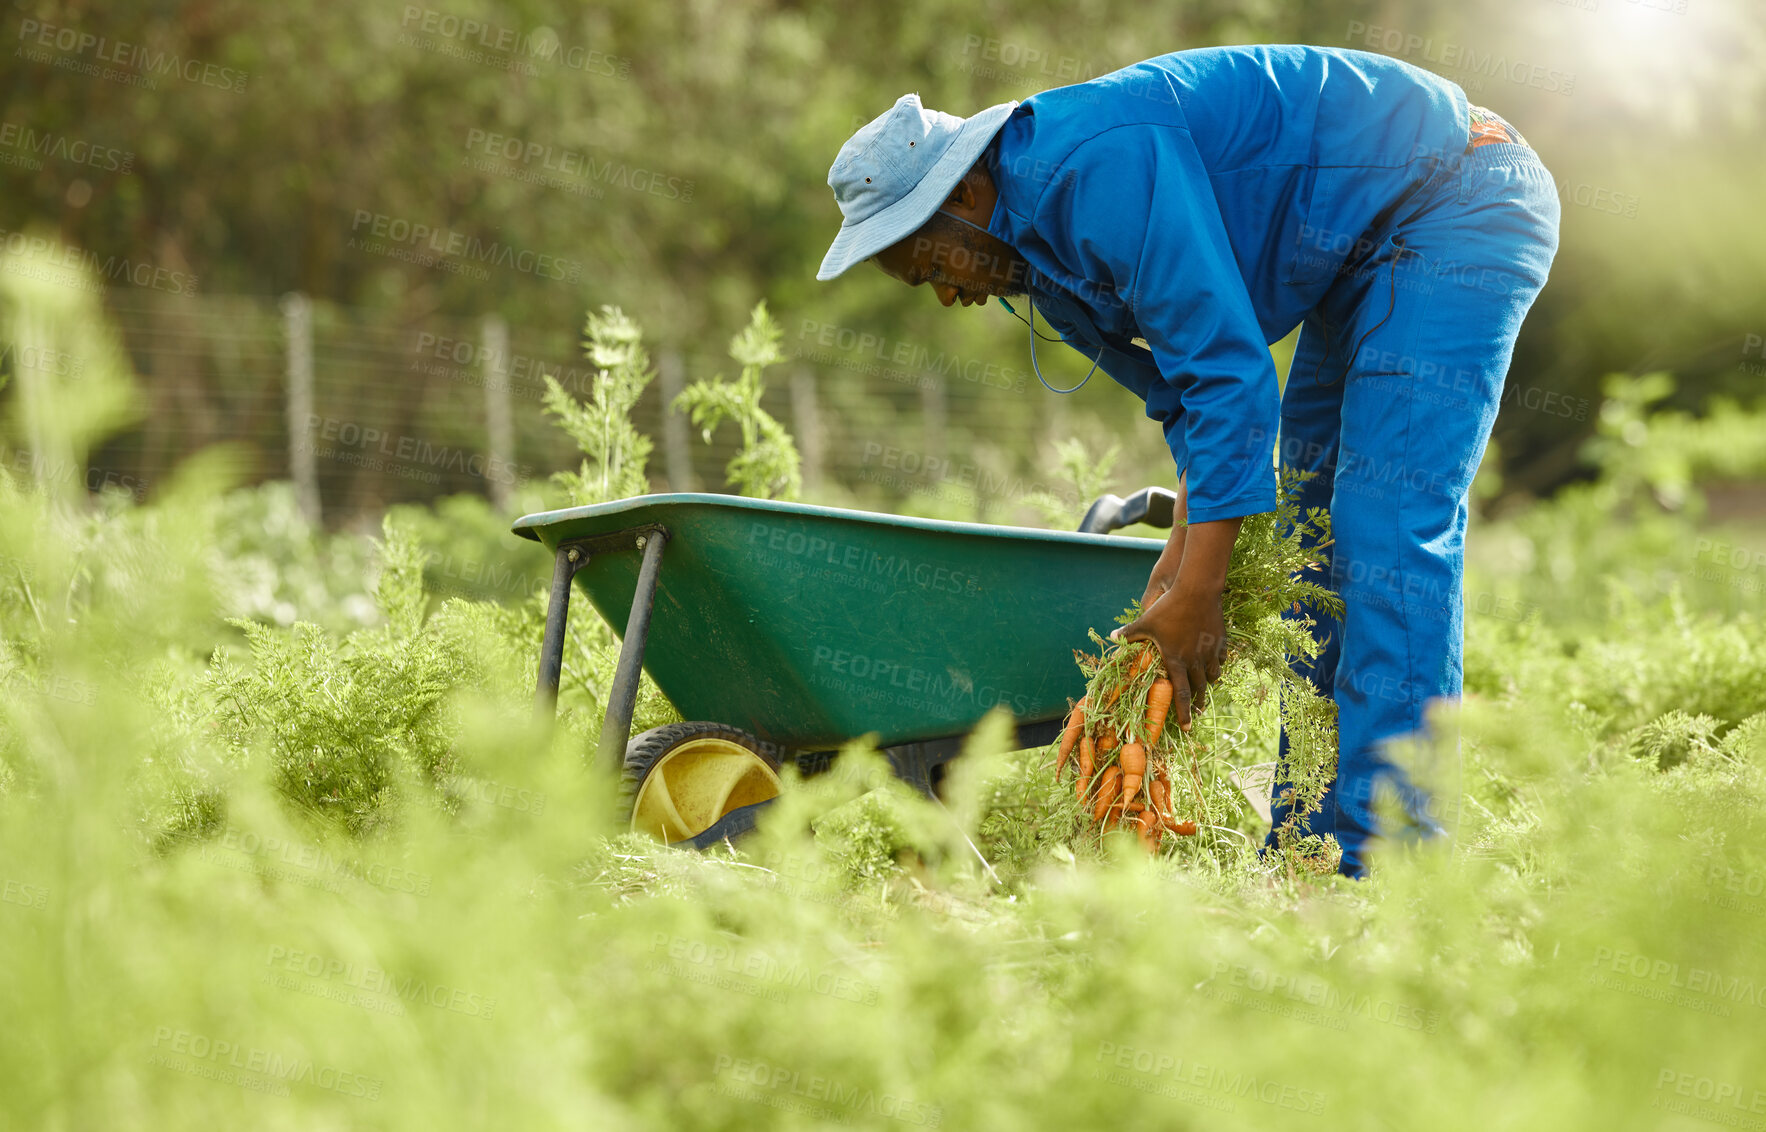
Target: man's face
[(961, 263)]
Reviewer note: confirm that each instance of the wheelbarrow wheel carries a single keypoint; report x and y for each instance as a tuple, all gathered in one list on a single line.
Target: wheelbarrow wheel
[(685, 777)]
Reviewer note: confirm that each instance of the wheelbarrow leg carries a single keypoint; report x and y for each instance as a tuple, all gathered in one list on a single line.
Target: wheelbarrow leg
[(622, 698), (564, 567)]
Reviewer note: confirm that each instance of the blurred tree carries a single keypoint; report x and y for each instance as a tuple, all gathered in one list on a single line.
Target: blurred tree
[(540, 158)]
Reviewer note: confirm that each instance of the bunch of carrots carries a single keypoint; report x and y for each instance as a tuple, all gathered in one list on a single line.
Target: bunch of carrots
[(1113, 765)]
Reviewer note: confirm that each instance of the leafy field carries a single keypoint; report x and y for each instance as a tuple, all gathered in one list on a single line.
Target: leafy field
[(282, 848)]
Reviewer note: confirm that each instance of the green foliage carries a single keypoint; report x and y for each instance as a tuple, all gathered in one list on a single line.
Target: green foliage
[(354, 727), (616, 451), (272, 565), (344, 724), (1639, 446), (1646, 526), (339, 880), (467, 550), (1674, 738), (1746, 742), (954, 954), (768, 466)]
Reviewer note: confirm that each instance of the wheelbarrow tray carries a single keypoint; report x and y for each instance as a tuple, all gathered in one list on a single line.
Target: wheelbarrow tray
[(810, 626)]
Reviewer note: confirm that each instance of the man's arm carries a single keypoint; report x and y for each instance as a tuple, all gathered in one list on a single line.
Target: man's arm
[(1133, 213), (1143, 379), (1165, 570), (1186, 623)]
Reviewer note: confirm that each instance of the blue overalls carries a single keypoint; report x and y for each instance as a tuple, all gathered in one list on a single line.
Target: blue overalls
[(1209, 201)]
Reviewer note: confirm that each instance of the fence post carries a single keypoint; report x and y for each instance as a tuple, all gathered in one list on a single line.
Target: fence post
[(934, 410), (677, 449), (297, 324), (807, 423), (499, 427)]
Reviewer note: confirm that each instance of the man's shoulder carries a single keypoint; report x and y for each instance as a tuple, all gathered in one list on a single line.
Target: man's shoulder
[(1156, 90), (1242, 106), (1049, 125), (1141, 93), (1038, 143)]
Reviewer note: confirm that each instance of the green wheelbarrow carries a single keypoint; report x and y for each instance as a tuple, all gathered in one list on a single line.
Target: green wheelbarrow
[(783, 631)]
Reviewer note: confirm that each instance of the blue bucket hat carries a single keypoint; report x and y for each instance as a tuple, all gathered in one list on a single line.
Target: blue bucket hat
[(892, 175)]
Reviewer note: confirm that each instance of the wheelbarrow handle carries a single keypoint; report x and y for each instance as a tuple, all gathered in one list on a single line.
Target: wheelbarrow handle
[(1153, 506)]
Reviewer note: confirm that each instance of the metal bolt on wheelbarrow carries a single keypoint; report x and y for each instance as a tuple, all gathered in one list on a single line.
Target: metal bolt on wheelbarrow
[(784, 630)]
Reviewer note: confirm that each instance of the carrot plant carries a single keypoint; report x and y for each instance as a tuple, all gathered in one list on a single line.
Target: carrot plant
[(614, 451), (1183, 788), (768, 465)]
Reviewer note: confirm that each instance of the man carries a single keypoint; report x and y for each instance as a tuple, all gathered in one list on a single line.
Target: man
[(1173, 219)]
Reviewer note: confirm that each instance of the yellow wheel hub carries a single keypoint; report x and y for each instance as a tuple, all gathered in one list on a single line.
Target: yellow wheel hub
[(697, 783)]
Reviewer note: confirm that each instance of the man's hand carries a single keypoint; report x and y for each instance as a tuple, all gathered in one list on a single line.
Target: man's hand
[(1186, 622), (1157, 586), (1190, 631)]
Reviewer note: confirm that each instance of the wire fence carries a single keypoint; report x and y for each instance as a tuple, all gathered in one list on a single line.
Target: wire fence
[(363, 409)]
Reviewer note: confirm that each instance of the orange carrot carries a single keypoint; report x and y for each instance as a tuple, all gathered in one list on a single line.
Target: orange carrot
[(1182, 828), (1161, 791), (1158, 705), (1109, 785), (1086, 755), (1075, 725), (1147, 830), (1133, 760), (1108, 741)]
